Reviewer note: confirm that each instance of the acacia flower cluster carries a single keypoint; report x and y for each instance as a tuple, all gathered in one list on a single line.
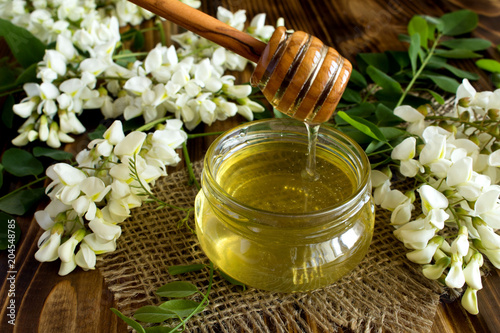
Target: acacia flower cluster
[(89, 70), (91, 199), (456, 162)]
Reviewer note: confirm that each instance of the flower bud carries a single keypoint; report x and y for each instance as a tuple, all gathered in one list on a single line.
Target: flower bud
[(455, 277), (494, 130), (424, 109), (469, 301), (474, 138), (449, 127), (461, 243), (465, 116), (411, 195), (434, 272), (492, 254), (472, 273), (464, 102), (494, 114)]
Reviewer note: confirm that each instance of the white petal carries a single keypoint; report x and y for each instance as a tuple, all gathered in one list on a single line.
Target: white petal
[(494, 159), (131, 144), (408, 113), (405, 150), (460, 172)]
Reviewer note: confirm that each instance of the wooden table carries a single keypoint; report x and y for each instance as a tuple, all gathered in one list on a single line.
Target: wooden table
[(81, 302)]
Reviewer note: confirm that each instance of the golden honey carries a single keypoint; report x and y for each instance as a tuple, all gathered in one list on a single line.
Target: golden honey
[(264, 222)]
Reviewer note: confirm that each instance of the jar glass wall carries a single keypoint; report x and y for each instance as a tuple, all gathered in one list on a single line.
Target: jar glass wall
[(262, 221)]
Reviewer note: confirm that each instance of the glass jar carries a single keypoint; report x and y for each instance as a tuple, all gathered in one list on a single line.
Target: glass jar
[(263, 222)]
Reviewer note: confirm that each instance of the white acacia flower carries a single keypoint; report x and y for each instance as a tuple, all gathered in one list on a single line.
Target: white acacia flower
[(416, 120), (112, 136), (415, 234), (487, 207), (489, 238), (48, 249), (424, 256), (460, 244), (85, 257), (66, 182), (435, 271), (130, 145), (402, 213), (98, 245), (469, 301), (105, 230), (259, 29), (65, 46), (66, 251), (455, 277), (433, 205), (52, 66), (67, 266), (494, 159), (236, 20), (28, 104), (472, 273), (93, 190), (405, 152)]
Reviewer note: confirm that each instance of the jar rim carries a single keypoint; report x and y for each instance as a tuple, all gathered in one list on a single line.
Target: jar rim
[(345, 204)]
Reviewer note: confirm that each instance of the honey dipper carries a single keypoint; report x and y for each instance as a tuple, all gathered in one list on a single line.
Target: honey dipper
[(298, 74)]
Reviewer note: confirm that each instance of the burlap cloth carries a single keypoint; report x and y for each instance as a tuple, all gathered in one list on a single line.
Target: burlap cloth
[(385, 293)]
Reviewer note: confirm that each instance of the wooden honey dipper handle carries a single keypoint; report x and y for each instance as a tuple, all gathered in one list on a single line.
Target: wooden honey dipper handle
[(298, 74), (206, 26)]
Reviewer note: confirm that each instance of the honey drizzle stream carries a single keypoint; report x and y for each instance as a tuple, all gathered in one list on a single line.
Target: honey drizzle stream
[(312, 138)]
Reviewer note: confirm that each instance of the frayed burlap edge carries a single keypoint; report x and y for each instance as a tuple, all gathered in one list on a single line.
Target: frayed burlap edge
[(385, 292)]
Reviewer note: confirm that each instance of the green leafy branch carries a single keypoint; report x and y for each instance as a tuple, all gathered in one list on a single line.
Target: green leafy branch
[(384, 81)]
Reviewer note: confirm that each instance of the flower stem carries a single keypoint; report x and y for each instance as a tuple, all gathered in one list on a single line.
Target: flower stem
[(199, 135), (152, 124), (417, 74), (23, 187), (127, 55), (163, 39), (192, 177)]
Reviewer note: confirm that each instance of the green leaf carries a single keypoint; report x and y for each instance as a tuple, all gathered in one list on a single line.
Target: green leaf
[(181, 269), (358, 79), (98, 133), (436, 96), (392, 133), (58, 155), (26, 48), (7, 112), (7, 76), (363, 110), (457, 54), (132, 323), (153, 314), (386, 116), (21, 202), (138, 41), (401, 58), (446, 83), (21, 163), (461, 74), (473, 44), (177, 289), (8, 226), (351, 95), (364, 126), (378, 60), (373, 146), (234, 282), (383, 80), (489, 65), (413, 51), (418, 26), (181, 307), (459, 22), (28, 75)]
